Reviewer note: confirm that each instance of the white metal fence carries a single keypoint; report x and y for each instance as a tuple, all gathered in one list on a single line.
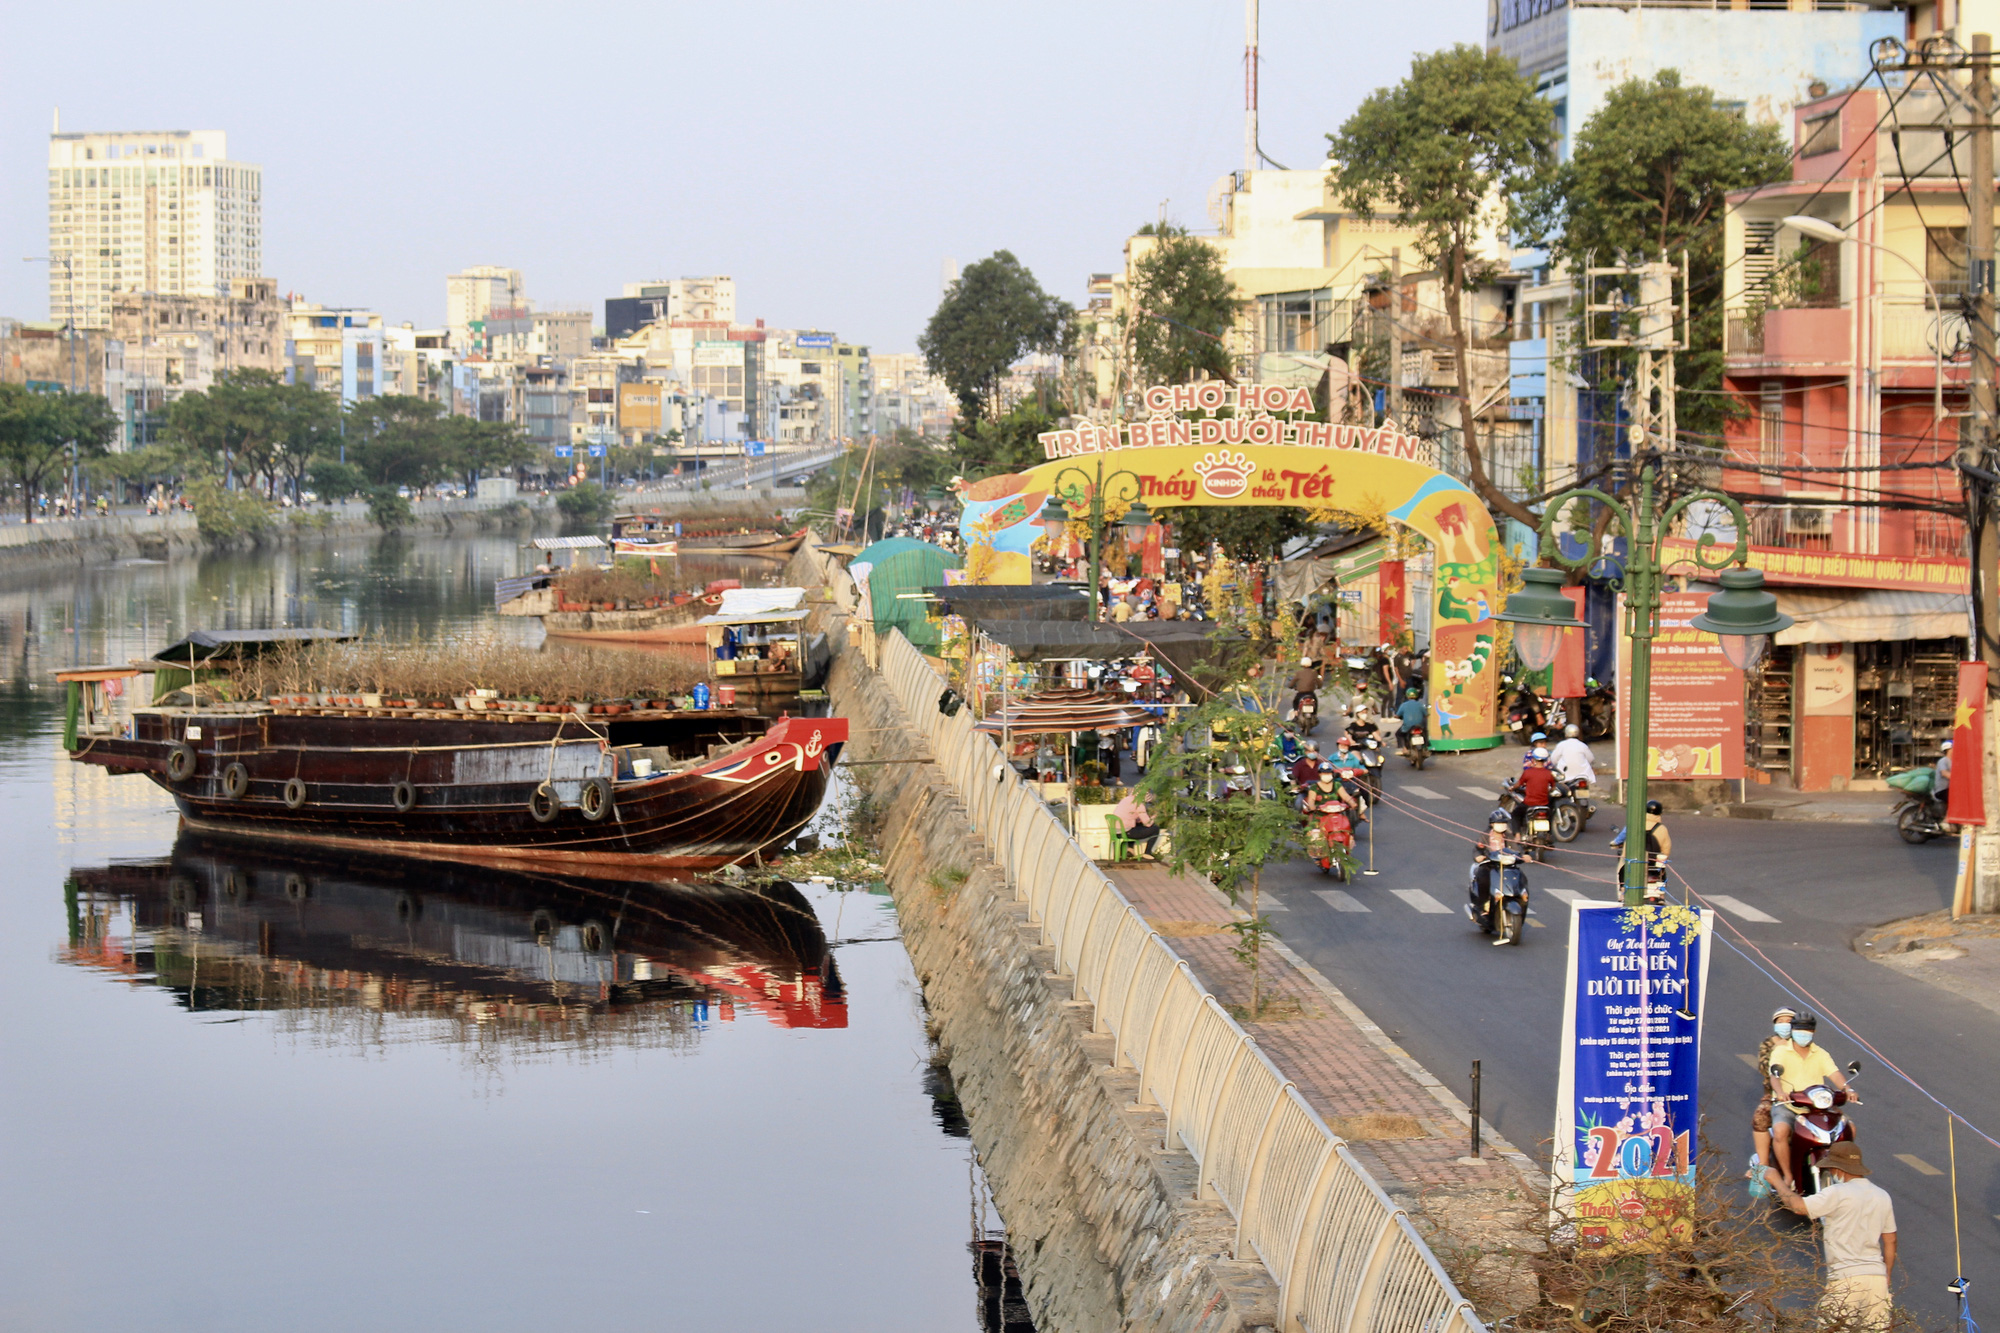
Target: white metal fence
[(1345, 1258)]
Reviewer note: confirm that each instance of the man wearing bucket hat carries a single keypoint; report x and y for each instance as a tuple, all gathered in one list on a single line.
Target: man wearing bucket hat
[(1858, 1231)]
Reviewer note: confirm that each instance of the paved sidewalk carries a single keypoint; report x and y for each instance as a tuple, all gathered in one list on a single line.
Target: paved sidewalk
[(1961, 956), (1410, 1132)]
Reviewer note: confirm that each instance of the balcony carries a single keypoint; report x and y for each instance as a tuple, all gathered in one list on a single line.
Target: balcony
[(1798, 334)]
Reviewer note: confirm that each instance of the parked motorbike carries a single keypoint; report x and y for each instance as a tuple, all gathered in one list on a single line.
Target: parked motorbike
[(1820, 1124), (1524, 718), (1504, 910), (1920, 817)]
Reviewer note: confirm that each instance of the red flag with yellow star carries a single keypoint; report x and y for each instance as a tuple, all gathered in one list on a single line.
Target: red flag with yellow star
[(1966, 801)]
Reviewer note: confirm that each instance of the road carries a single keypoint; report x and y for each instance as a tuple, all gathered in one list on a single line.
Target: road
[(1401, 947)]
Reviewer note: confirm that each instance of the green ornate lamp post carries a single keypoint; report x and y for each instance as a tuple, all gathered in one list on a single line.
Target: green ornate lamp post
[(1743, 616), (1088, 494)]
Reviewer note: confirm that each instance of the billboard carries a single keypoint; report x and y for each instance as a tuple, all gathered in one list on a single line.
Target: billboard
[(1628, 1101), (1694, 718), (813, 340), (718, 354)]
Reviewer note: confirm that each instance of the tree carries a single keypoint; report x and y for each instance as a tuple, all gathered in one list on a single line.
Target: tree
[(397, 440), (1006, 443), (585, 505), (1648, 175), (1183, 304), (1247, 532), (238, 423), (994, 314), (38, 430), (1448, 152)]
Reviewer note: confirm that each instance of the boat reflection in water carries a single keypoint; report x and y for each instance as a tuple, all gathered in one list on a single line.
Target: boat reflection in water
[(469, 954)]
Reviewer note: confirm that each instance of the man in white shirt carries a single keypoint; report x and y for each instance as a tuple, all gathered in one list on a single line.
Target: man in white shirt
[(1857, 1223), (1572, 759)]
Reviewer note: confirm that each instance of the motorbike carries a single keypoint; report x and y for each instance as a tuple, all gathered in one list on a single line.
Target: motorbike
[(1567, 813), (1656, 875), (1504, 911), (1524, 719), (1331, 827), (1306, 714), (1416, 748), (1372, 760), (1534, 825), (1821, 1122), (1920, 817)]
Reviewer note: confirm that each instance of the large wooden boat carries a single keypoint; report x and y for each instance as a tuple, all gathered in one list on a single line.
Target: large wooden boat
[(762, 542), (642, 789), (655, 624), (289, 927)]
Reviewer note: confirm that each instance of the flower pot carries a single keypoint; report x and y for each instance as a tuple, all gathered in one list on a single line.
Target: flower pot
[(371, 701)]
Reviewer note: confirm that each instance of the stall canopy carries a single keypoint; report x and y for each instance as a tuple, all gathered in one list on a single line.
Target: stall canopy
[(1190, 648), (980, 603), (1327, 563), (1065, 710), (896, 572), (1871, 615)]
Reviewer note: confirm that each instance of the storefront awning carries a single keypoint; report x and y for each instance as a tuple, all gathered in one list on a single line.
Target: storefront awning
[(1872, 615)]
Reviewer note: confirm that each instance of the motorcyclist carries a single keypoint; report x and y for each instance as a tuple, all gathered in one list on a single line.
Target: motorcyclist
[(1305, 686), (1941, 784), (1486, 855), (1306, 766), (1535, 780), (1760, 1121), (1412, 714), (1571, 758), (1659, 846), (1330, 789), (1347, 759), (1802, 1065)]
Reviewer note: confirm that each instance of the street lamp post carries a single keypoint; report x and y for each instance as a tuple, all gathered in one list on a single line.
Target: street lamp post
[(1090, 493), (1743, 617)]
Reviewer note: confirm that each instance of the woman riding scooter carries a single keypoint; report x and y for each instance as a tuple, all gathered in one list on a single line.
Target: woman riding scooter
[(1499, 890)]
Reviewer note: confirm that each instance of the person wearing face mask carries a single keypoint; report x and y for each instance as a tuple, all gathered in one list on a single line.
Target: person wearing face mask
[(1857, 1226), (1760, 1122), (1804, 1064)]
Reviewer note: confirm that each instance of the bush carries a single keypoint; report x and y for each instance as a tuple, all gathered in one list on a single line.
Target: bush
[(224, 515), (585, 505), (388, 510)]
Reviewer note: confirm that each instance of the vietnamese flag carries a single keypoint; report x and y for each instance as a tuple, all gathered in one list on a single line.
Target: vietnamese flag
[(1966, 800)]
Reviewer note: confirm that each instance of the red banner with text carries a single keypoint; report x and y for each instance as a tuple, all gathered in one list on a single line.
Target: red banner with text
[(1694, 718)]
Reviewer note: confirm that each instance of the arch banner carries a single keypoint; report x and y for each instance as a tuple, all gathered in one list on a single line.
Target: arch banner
[(1257, 458)]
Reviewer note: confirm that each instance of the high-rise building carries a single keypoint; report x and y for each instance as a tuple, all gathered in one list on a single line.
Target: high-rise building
[(148, 211), (681, 299), (472, 294)]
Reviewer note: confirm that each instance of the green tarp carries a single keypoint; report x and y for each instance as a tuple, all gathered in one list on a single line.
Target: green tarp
[(903, 565)]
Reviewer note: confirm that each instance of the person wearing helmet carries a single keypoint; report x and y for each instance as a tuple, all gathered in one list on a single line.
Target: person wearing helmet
[(1410, 712), (1535, 780), (1346, 758), (1329, 789), (1305, 689), (1486, 854), (1796, 1063), (1571, 758), (1942, 782), (1306, 766), (1760, 1120)]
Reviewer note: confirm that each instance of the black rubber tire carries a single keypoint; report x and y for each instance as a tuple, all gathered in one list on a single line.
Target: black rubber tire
[(594, 936), (1422, 757), (181, 762), (543, 805), (1515, 922), (1907, 826), (404, 797), (1338, 871), (542, 925), (295, 793), (235, 781), (295, 888), (595, 800), (1566, 817)]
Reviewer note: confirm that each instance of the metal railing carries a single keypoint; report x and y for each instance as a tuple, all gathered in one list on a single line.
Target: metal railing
[(1345, 1258)]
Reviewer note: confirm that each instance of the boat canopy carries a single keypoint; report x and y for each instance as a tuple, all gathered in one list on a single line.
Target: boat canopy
[(237, 645), (568, 543), (786, 617)]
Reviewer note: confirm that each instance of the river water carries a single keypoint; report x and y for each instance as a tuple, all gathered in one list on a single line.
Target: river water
[(244, 1088)]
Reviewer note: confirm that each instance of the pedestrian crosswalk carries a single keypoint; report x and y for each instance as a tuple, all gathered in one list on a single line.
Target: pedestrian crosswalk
[(1420, 900), (1422, 793), (1340, 900), (1483, 793)]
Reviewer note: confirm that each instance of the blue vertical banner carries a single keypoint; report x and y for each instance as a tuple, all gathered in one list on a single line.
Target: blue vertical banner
[(1628, 1099)]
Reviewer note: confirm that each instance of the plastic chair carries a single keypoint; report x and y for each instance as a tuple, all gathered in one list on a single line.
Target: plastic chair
[(1119, 841)]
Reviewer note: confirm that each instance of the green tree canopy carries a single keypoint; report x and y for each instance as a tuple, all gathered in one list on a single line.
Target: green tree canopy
[(1447, 152), (1648, 176), (1183, 305), (37, 431), (1247, 532), (239, 424), (991, 317), (397, 440)]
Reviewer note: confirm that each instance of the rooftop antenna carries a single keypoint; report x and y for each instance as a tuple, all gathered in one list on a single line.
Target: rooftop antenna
[(1249, 85)]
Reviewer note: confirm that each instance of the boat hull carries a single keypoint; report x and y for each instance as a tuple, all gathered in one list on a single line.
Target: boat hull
[(463, 791)]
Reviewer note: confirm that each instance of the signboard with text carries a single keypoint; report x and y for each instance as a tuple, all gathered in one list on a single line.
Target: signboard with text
[(1783, 565), (1694, 717), (1628, 1095)]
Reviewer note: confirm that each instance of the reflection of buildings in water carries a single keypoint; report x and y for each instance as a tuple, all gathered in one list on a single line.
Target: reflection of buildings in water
[(94, 808), (368, 952)]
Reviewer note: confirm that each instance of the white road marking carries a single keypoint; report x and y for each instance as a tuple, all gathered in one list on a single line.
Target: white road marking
[(1269, 902), (1422, 901), (1750, 1060), (1539, 925), (1566, 896), (1425, 792), (1340, 900), (1917, 1164), (1482, 793), (1737, 907)]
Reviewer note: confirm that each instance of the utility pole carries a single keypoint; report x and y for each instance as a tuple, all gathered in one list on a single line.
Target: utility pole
[(1396, 339), (1977, 451), (1249, 86)]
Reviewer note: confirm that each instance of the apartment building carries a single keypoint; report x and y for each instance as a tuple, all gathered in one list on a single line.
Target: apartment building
[(908, 397), (338, 351), (551, 337), (708, 300), (49, 357), (472, 294), (148, 211)]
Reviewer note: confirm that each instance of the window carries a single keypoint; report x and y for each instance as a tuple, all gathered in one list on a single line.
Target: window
[(1819, 135), (1944, 259), (1771, 423)]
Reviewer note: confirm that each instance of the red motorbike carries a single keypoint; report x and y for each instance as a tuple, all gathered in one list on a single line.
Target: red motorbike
[(1820, 1124), (1331, 828)]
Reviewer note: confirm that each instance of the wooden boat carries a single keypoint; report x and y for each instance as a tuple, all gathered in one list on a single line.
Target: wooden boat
[(293, 927), (761, 542), (641, 789), (657, 624)]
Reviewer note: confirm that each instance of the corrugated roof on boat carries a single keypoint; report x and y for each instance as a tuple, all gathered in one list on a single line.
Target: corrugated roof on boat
[(568, 543), (208, 645)]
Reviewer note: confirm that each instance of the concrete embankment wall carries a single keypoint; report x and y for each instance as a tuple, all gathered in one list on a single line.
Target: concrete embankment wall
[(1103, 1220)]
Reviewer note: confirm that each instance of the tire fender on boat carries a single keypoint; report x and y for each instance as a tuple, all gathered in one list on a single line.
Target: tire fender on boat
[(403, 796), (542, 803), (295, 793), (595, 799), (235, 781), (181, 761)]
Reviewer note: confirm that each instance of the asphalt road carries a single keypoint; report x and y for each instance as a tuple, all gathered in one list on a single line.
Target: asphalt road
[(1400, 945)]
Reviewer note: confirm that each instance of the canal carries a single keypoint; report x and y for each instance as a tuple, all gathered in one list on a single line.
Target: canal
[(246, 1088)]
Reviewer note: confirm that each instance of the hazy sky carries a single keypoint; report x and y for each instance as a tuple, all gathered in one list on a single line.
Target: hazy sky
[(829, 156)]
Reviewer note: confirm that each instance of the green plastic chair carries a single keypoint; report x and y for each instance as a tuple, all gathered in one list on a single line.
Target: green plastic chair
[(1119, 841)]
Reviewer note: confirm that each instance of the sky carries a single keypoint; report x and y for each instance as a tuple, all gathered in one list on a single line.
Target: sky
[(832, 158)]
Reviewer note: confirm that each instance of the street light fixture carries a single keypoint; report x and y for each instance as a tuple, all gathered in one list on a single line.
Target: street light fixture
[(1743, 616), (1089, 494), (1822, 230)]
